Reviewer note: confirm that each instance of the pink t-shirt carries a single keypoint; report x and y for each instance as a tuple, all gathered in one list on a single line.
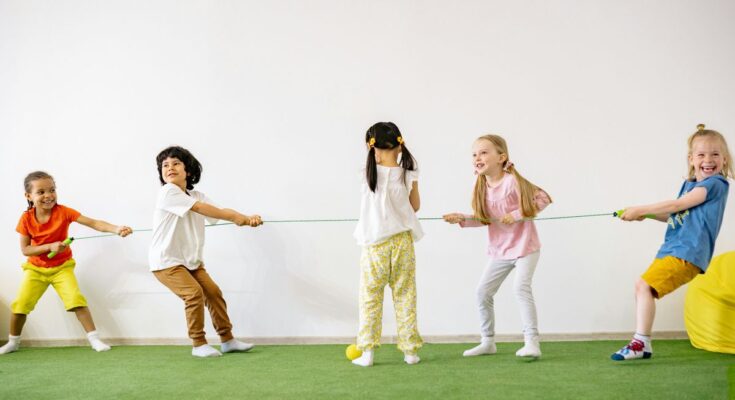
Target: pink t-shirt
[(519, 239)]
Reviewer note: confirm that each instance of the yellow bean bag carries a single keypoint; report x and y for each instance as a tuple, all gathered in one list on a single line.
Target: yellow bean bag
[(709, 307)]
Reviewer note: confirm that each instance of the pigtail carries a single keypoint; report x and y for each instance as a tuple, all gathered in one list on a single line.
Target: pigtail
[(478, 200), (528, 191), (408, 163), (371, 170)]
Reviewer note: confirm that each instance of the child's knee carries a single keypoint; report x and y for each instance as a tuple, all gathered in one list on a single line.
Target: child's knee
[(523, 290), (642, 287), (22, 307), (194, 296)]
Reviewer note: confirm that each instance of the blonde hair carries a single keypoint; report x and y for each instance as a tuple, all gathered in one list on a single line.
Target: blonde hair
[(727, 169), (527, 189)]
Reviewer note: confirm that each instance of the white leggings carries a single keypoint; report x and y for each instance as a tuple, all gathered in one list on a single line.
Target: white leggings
[(494, 275)]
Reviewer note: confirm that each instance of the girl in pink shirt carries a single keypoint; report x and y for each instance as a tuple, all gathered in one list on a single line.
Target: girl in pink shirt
[(505, 202)]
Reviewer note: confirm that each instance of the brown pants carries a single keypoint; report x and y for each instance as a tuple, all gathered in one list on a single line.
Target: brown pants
[(198, 290)]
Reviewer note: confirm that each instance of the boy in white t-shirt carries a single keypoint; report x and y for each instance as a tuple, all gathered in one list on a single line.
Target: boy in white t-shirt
[(175, 255)]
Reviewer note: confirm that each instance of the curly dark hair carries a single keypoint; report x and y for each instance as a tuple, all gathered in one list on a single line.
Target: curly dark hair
[(192, 166)]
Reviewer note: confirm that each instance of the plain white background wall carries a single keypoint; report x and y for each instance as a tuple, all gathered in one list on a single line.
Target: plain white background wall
[(595, 98)]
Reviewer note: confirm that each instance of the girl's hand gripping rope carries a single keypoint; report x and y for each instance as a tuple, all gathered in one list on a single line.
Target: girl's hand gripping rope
[(453, 218), (58, 247)]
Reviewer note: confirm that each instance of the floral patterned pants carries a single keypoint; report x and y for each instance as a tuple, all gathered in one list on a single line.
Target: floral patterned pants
[(391, 263)]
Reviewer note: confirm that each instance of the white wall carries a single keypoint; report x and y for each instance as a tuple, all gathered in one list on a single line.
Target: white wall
[(596, 99)]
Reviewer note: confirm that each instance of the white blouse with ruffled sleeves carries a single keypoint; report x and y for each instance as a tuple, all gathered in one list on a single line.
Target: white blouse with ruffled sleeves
[(387, 211)]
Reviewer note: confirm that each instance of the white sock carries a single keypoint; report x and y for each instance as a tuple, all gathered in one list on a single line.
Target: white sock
[(411, 358), (486, 346), (646, 339), (12, 345), (233, 345), (532, 348), (365, 360), (97, 344), (205, 350)]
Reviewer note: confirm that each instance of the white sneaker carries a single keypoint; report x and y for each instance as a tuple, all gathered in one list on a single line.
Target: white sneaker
[(205, 350), (411, 359), (487, 346), (234, 345), (365, 360), (532, 348), (12, 345)]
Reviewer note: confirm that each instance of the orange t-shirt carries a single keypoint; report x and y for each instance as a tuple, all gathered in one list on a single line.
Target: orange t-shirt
[(55, 230)]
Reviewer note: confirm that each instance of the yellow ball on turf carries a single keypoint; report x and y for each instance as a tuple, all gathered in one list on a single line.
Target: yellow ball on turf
[(352, 352)]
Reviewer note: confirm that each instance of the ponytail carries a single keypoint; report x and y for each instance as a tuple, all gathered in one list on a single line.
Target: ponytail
[(371, 170), (478, 200), (527, 190)]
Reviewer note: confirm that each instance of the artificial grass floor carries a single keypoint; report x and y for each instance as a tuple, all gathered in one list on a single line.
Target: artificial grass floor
[(567, 370)]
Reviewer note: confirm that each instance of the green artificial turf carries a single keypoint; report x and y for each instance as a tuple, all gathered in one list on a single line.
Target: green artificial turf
[(567, 370)]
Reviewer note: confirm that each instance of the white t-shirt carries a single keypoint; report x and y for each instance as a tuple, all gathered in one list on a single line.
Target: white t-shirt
[(387, 211), (178, 232)]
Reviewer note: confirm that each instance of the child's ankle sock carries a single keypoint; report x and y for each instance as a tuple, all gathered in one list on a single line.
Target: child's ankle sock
[(205, 350), (486, 346), (97, 344), (12, 345), (365, 360), (646, 339), (233, 345)]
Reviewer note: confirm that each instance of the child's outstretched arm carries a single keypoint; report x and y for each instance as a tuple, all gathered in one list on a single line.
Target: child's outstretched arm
[(233, 216), (454, 218), (664, 209), (102, 226), (464, 220)]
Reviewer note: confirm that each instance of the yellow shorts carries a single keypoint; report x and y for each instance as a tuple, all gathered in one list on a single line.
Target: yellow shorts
[(36, 281), (666, 274)]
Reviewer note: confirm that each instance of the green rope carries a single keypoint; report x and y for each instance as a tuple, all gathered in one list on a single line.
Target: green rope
[(283, 221)]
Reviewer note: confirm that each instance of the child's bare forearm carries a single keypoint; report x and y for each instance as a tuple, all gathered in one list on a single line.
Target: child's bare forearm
[(30, 251)]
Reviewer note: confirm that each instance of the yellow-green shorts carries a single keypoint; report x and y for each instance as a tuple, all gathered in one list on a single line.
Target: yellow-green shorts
[(666, 274), (36, 281)]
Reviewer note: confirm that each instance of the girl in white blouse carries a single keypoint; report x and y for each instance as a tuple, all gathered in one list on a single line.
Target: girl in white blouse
[(387, 228)]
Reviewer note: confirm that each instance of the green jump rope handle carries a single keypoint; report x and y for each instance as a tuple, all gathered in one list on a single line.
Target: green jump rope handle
[(66, 241), (618, 213)]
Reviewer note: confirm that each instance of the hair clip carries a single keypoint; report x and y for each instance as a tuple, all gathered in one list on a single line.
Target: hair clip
[(508, 165), (700, 127), (371, 142), (399, 139)]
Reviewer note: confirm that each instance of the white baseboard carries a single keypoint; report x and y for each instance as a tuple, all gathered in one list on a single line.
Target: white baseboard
[(307, 340)]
